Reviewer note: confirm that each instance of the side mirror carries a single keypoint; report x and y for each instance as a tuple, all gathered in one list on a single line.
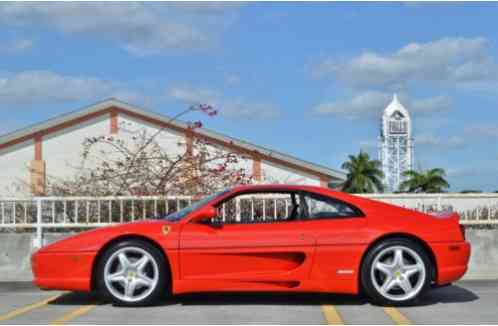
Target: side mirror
[(205, 213)]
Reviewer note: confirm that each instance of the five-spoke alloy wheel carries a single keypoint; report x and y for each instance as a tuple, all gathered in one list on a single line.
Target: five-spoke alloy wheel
[(132, 273), (396, 271)]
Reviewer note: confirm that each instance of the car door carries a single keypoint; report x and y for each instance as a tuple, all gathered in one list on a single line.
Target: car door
[(340, 241), (260, 251)]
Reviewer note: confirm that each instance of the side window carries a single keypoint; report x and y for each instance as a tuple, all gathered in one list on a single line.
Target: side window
[(319, 206), (258, 208)]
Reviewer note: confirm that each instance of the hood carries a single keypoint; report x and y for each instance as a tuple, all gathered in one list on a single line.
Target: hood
[(93, 240)]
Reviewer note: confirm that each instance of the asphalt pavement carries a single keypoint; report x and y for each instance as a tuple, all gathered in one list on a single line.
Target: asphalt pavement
[(474, 302)]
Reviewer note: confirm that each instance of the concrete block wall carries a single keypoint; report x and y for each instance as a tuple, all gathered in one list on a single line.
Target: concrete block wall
[(484, 257), (15, 254), (16, 249)]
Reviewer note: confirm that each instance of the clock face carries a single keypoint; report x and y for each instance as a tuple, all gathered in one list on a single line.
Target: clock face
[(397, 123), (397, 115)]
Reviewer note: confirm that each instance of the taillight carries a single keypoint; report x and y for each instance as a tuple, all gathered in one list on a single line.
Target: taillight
[(462, 230)]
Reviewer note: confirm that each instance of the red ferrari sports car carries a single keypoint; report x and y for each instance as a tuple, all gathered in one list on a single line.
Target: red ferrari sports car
[(263, 238)]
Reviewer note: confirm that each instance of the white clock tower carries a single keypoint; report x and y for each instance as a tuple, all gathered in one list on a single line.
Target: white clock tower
[(395, 144)]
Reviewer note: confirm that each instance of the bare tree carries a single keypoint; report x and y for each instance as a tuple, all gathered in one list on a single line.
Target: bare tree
[(135, 163)]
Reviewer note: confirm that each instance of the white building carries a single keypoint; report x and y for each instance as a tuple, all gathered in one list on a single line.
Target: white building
[(395, 144), (54, 148)]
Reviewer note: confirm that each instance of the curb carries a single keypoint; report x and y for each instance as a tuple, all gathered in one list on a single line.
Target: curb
[(6, 286)]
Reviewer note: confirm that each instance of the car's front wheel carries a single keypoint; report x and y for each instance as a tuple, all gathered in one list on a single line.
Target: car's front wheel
[(132, 273), (396, 272)]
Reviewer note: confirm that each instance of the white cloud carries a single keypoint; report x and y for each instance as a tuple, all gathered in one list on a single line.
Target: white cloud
[(363, 105), (233, 108), (232, 80), (439, 142), (16, 46), (46, 86), (192, 95), (213, 7), (370, 104), (243, 110), (482, 130), (451, 61), (430, 105), (139, 28)]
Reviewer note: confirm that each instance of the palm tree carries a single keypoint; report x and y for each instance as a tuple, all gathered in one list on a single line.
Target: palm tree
[(430, 181), (364, 175)]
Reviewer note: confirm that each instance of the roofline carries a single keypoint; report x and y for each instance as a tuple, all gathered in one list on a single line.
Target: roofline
[(275, 187), (33, 130)]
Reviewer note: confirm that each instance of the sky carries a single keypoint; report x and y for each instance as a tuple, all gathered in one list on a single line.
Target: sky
[(307, 79)]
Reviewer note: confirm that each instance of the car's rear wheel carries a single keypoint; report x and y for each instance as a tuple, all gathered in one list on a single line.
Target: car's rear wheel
[(132, 273), (396, 272)]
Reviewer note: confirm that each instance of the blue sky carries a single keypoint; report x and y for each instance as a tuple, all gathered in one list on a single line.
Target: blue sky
[(309, 79)]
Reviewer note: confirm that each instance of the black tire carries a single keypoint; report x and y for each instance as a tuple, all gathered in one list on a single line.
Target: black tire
[(162, 286), (369, 288)]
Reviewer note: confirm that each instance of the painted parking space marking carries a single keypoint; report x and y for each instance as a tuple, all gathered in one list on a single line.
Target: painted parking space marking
[(397, 317), (73, 314), (464, 303), (331, 314), (20, 311)]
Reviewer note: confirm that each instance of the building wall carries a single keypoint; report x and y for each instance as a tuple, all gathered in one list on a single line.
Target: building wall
[(130, 127), (62, 151), (60, 154), (279, 174), (244, 162), (15, 169)]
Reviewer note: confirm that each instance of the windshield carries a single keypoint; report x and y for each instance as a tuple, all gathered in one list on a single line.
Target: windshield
[(178, 215)]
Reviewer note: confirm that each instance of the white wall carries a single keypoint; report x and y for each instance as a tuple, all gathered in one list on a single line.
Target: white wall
[(62, 151), (280, 174), (273, 173), (244, 161), (14, 169), (166, 138)]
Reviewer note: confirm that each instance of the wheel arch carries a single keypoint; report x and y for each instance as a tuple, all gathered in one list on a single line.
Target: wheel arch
[(403, 235), (127, 237)]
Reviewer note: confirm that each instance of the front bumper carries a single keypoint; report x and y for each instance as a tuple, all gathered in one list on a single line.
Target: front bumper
[(62, 270), (452, 260)]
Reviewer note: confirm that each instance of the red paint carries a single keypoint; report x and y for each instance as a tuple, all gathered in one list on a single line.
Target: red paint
[(295, 256), (256, 168), (189, 143), (38, 148), (114, 125)]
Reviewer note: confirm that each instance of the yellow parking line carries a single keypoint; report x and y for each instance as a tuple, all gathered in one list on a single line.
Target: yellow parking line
[(332, 315), (397, 317), (16, 312), (73, 314)]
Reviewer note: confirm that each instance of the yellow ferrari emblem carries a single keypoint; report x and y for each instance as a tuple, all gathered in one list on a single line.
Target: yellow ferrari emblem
[(166, 229)]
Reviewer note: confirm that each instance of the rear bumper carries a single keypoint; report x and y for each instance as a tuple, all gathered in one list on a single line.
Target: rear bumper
[(452, 260), (62, 270)]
